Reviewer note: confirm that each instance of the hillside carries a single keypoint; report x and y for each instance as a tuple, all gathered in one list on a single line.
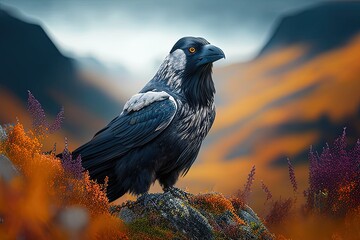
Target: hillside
[(269, 110), (321, 28), (29, 60)]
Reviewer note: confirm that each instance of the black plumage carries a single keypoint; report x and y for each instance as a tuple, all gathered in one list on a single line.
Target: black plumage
[(159, 133)]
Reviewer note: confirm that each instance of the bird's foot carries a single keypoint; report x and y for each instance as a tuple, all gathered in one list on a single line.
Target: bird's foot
[(177, 192)]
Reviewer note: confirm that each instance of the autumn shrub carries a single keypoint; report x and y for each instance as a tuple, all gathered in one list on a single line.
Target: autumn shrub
[(32, 205), (39, 123), (334, 179), (279, 211), (216, 203), (332, 198)]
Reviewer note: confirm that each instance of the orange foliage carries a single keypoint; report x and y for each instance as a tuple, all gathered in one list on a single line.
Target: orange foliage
[(87, 192), (344, 199), (344, 192), (218, 204), (30, 205), (20, 146)]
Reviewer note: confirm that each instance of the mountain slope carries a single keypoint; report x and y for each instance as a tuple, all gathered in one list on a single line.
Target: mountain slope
[(323, 27), (29, 60), (269, 111)]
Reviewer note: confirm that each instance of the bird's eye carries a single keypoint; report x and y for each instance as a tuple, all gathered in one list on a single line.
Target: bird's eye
[(192, 50)]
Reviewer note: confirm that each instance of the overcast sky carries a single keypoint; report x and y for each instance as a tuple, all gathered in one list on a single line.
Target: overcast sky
[(139, 34)]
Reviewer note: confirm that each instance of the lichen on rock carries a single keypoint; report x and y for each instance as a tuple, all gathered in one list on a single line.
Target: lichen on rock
[(177, 214)]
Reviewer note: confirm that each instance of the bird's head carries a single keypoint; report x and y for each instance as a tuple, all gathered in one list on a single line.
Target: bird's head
[(188, 69), (193, 53)]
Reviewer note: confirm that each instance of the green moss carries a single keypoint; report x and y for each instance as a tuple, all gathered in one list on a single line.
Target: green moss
[(151, 227), (254, 226), (142, 229)]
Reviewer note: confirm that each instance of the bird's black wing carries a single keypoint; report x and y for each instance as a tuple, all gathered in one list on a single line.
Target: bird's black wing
[(127, 131)]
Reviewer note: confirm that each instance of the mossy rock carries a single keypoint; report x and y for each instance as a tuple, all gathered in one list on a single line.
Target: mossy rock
[(179, 215)]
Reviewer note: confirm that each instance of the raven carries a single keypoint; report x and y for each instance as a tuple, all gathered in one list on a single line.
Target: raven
[(158, 134)]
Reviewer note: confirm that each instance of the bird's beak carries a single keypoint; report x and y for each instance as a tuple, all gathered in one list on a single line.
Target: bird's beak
[(209, 54)]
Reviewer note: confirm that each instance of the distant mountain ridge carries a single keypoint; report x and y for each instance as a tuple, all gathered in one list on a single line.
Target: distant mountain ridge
[(29, 60), (322, 27)]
